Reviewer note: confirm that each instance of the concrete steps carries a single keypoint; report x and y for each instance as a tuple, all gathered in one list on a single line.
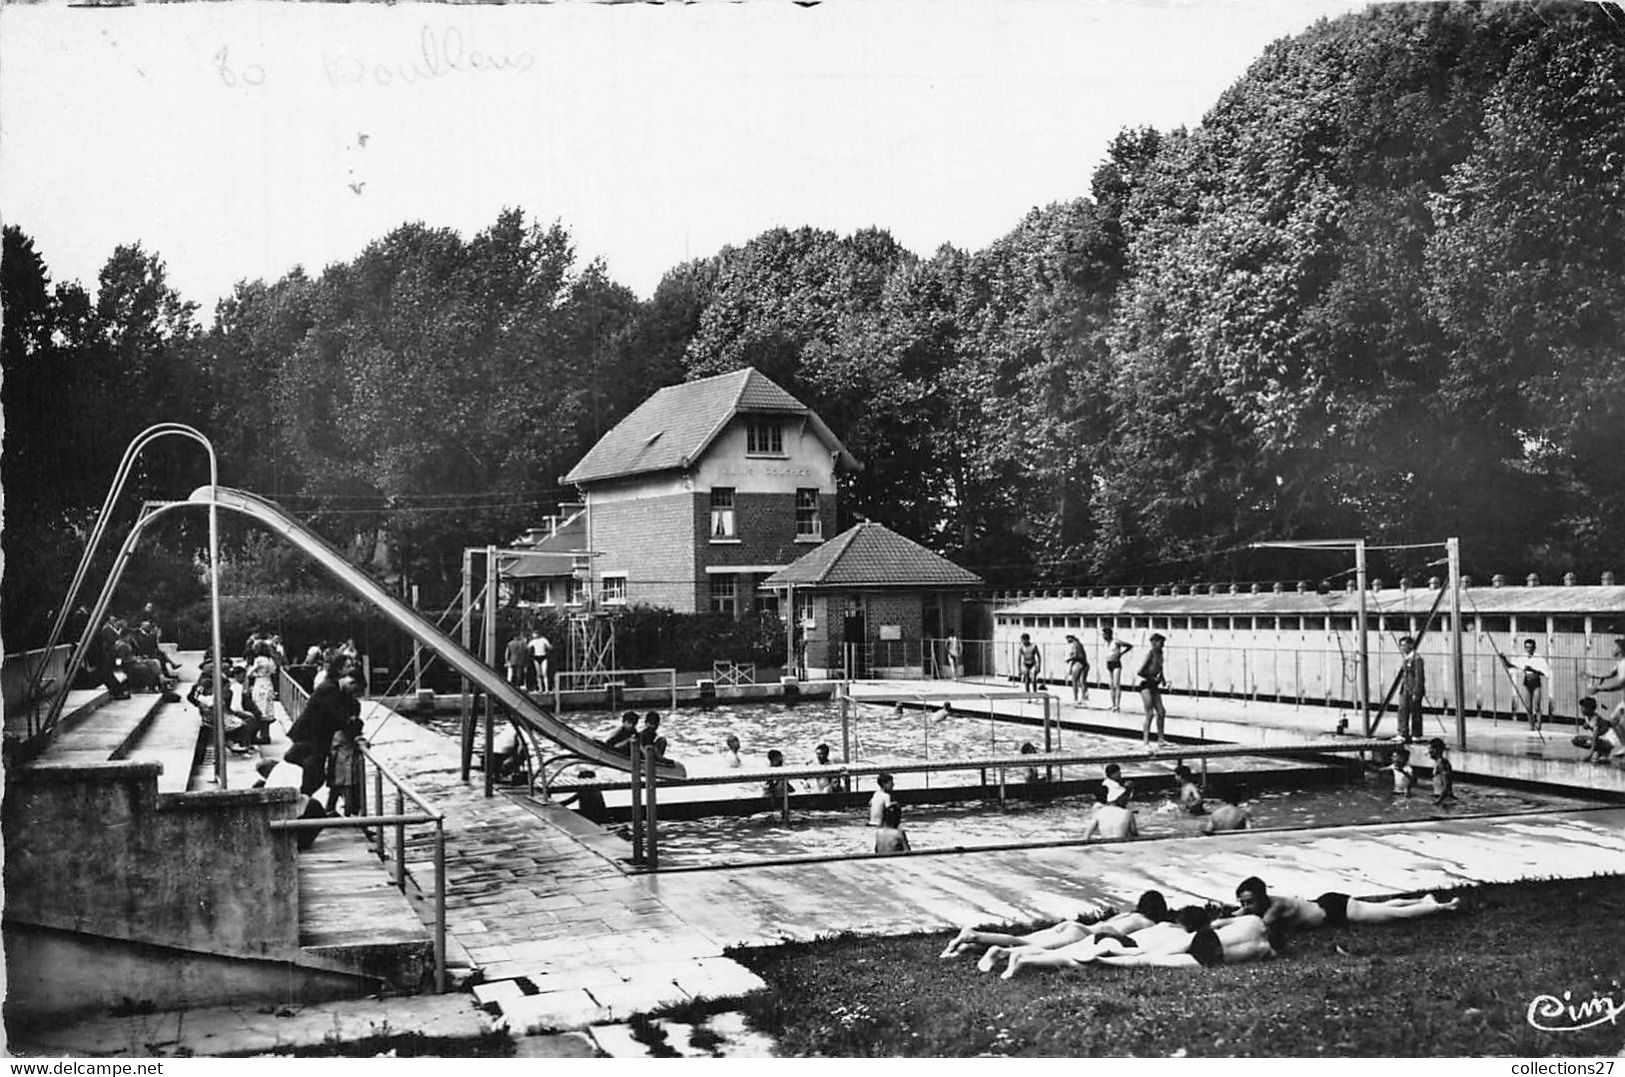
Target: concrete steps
[(353, 919), (189, 876)]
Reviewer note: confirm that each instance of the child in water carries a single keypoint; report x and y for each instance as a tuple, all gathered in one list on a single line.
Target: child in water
[(1404, 777), (891, 838), (1444, 781)]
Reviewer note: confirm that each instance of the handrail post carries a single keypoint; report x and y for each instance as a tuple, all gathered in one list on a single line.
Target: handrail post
[(652, 836), (466, 631), (492, 588), (440, 906), (378, 800), (400, 840), (637, 801)]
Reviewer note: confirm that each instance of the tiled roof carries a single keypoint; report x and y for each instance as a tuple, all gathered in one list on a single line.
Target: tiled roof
[(675, 425), (552, 556), (872, 555)]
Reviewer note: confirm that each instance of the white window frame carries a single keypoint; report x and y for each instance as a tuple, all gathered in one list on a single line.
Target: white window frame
[(724, 521), (816, 534), (612, 589), (764, 437)]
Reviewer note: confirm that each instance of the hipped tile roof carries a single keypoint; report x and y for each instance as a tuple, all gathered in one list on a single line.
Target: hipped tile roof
[(872, 555)]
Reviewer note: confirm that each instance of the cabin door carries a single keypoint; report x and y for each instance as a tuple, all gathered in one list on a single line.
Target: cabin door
[(855, 638)]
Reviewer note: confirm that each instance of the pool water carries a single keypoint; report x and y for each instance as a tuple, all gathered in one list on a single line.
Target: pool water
[(879, 735), (720, 840)]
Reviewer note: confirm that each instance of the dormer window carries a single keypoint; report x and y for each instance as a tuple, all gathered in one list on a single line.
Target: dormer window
[(764, 438)]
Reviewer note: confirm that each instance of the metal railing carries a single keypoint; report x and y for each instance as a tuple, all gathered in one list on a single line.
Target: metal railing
[(645, 813), (376, 824), (724, 671), (1308, 673)]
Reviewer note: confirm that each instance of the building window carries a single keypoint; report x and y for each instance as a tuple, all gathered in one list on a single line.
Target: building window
[(723, 591), (722, 512), (808, 525), (764, 439), (578, 591), (613, 591)]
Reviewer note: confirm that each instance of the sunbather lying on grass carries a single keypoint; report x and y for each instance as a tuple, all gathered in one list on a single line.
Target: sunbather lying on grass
[(1242, 939), (1159, 938), (1151, 909)]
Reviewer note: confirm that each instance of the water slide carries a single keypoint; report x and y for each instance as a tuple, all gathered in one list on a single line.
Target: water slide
[(424, 631)]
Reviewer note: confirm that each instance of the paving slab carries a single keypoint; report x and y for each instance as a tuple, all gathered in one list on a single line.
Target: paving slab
[(556, 1045), (226, 1031)]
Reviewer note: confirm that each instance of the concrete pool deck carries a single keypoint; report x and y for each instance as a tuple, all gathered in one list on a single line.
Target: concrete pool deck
[(566, 935), (564, 941)]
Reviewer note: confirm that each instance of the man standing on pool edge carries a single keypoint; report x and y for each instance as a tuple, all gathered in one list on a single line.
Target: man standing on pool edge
[(1413, 686), (1151, 679)]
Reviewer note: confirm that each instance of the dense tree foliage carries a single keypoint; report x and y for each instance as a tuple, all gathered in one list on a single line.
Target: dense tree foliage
[(1378, 290)]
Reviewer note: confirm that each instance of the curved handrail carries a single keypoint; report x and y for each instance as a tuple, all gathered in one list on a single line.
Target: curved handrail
[(103, 600), (415, 625), (120, 477), (131, 451)]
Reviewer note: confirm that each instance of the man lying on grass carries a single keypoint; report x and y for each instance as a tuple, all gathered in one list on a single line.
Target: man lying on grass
[(1158, 939), (1332, 909), (1241, 939), (1151, 909)]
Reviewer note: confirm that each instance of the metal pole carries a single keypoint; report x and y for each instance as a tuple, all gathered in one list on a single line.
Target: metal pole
[(440, 906), (465, 712), (846, 723), (400, 841), (1453, 552), (417, 651), (637, 800), (214, 620), (491, 590), (652, 838), (1365, 659), (790, 631), (378, 802)]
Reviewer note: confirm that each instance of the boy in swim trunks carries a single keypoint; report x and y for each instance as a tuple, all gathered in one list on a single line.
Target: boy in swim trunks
[(1029, 660), (1077, 670), (1444, 778), (1114, 665), (1244, 938), (1330, 909)]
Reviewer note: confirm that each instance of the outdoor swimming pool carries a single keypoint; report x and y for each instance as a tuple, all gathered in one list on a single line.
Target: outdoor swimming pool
[(880, 736), (722, 840)]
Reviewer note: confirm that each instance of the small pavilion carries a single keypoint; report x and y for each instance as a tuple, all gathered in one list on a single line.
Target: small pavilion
[(870, 602)]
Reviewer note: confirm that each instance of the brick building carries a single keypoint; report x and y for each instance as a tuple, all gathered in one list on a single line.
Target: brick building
[(870, 600), (693, 499)]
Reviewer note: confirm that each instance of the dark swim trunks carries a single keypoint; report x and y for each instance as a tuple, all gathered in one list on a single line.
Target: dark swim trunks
[(1207, 949), (1337, 909), (1118, 935), (1112, 663)]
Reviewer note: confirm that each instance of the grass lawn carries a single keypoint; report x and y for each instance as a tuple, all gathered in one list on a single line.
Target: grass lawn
[(1458, 984)]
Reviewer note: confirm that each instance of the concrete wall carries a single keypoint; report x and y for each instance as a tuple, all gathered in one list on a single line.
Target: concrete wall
[(95, 849), (54, 976)]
